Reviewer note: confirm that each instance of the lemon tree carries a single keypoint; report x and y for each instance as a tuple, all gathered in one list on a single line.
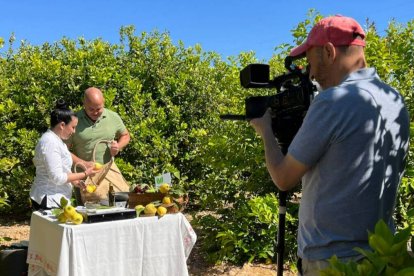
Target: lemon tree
[(170, 96)]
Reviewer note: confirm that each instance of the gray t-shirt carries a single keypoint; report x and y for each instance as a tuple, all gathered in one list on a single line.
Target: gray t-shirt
[(355, 140)]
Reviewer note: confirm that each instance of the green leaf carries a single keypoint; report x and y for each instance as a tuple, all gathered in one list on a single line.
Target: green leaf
[(383, 231), (63, 202), (402, 235), (56, 211)]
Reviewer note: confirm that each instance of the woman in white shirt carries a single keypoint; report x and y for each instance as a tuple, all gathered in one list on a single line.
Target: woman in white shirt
[(53, 161)]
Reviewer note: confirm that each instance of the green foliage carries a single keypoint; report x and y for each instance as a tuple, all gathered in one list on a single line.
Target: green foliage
[(162, 91), (245, 231), (5, 239), (393, 57), (3, 201), (388, 255), (170, 98)]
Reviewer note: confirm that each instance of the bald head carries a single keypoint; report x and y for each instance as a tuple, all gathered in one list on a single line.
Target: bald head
[(93, 103), (93, 95)]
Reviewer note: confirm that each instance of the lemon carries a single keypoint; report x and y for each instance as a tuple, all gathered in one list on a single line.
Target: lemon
[(139, 209), (164, 188), (77, 218), (161, 210), (62, 218), (69, 211), (166, 200), (98, 166), (90, 188), (150, 209)]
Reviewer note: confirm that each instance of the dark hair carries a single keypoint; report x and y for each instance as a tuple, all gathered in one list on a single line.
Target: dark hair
[(61, 113)]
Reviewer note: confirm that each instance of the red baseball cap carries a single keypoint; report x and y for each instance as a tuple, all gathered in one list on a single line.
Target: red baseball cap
[(339, 30)]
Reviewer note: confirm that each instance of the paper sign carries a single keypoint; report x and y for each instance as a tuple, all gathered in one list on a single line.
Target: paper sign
[(164, 178)]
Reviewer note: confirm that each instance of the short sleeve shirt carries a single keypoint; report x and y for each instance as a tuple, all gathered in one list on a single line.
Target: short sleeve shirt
[(354, 138), (108, 127)]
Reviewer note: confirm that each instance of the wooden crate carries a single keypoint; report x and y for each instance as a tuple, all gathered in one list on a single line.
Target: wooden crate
[(135, 199)]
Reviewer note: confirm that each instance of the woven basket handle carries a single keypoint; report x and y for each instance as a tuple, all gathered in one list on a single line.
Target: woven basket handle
[(79, 164), (107, 142)]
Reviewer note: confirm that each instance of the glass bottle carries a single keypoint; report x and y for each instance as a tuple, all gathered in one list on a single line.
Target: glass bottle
[(111, 195)]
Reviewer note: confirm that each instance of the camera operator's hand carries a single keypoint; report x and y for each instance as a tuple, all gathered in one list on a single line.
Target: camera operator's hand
[(263, 125)]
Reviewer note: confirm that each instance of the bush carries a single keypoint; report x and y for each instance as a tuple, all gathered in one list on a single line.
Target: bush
[(388, 255), (170, 98)]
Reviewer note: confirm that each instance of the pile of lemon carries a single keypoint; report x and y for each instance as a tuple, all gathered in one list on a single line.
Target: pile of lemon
[(152, 209), (67, 213)]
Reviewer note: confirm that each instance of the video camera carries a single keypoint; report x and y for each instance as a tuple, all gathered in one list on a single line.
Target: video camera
[(289, 105)]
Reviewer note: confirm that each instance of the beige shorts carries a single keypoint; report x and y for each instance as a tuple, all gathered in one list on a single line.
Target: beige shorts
[(312, 268)]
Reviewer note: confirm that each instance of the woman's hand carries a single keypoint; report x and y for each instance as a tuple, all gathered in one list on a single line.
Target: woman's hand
[(90, 171), (79, 183), (89, 164)]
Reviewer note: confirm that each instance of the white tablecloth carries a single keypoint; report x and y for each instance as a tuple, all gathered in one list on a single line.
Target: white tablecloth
[(146, 246)]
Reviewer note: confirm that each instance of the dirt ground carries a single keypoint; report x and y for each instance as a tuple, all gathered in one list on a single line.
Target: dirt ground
[(19, 231)]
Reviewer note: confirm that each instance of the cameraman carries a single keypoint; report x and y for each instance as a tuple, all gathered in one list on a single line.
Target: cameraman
[(349, 152)]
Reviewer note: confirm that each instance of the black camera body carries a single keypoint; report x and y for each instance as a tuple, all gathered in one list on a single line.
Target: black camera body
[(289, 105)]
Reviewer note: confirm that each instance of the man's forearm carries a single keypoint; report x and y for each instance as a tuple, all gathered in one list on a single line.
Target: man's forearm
[(123, 140), (285, 171), (274, 156)]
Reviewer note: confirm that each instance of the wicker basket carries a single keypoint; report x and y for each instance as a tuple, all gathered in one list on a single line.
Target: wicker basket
[(181, 202), (109, 174)]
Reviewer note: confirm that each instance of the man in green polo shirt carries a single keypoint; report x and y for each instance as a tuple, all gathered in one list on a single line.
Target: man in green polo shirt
[(97, 123)]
